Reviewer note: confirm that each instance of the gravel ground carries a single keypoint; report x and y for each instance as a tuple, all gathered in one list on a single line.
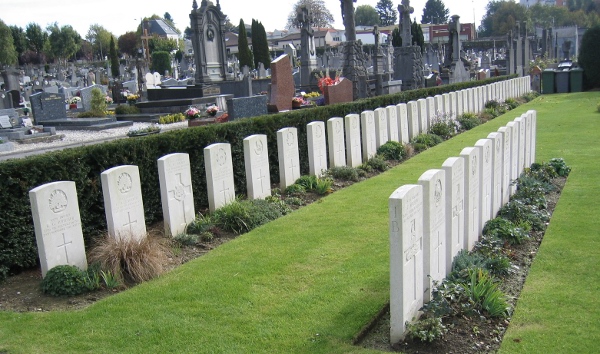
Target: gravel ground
[(74, 138)]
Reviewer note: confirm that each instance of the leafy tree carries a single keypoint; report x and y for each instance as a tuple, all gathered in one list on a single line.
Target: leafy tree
[(244, 53), (387, 12), (187, 33), (366, 15), (260, 45), (501, 17), (547, 16), (19, 39), (321, 17), (64, 42), (114, 59), (8, 54), (589, 56), (99, 37), (161, 62), (158, 44), (36, 37), (128, 43), (435, 12)]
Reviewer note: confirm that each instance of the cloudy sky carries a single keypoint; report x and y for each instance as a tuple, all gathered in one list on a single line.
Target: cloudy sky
[(120, 16)]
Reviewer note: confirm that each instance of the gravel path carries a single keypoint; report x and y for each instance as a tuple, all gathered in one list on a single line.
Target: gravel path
[(75, 138)]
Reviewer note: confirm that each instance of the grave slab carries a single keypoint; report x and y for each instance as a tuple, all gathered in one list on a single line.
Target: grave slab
[(256, 159), (219, 175), (289, 159), (353, 144), (317, 147), (455, 208), (176, 193), (337, 145)]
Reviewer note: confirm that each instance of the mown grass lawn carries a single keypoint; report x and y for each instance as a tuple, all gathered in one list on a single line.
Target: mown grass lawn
[(308, 282)]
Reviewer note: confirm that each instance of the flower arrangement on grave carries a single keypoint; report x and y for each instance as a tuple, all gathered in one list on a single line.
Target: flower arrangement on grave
[(324, 80), (192, 113), (140, 131), (132, 98), (298, 100), (108, 99), (75, 100), (212, 110), (313, 94)]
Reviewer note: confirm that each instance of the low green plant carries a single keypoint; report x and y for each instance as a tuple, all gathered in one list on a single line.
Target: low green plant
[(442, 126), (171, 118), (511, 103), (110, 280), (532, 191), (392, 150), (309, 182), (186, 239), (64, 280), (530, 96), (427, 329), (484, 292), (202, 223), (560, 166), (294, 201), (544, 173), (520, 213), (505, 230), (492, 104), (324, 186), (375, 163), (92, 277), (423, 142), (464, 262), (241, 216), (468, 121), (295, 189), (344, 173), (126, 109)]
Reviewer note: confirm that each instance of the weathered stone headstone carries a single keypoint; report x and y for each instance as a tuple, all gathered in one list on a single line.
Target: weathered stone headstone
[(338, 93), (431, 111), (353, 144), (289, 159), (423, 118), (86, 96), (446, 104), (434, 229), (308, 58), (219, 175), (406, 257), (48, 106), (256, 159), (368, 134), (403, 123), (337, 145), (413, 119), (497, 155), (522, 142), (317, 147), (453, 104), (472, 160), (392, 123), (408, 59), (244, 107), (533, 134), (506, 162), (123, 203), (381, 127), (514, 154), (282, 84), (176, 193), (455, 208), (486, 148), (57, 224), (438, 107)]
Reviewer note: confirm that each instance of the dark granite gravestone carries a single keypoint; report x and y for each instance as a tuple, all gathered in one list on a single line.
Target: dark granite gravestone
[(48, 106), (5, 100), (15, 97), (245, 107)]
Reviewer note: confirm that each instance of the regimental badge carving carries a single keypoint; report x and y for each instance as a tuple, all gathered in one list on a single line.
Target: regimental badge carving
[(354, 123), (474, 165), (338, 126), (437, 193), (58, 201), (124, 182), (319, 131), (179, 192), (221, 157), (258, 147), (290, 138)]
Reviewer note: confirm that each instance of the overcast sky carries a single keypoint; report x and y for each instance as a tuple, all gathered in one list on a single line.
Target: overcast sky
[(120, 16)]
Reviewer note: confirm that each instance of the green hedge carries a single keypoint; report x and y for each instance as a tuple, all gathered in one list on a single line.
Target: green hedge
[(83, 166)]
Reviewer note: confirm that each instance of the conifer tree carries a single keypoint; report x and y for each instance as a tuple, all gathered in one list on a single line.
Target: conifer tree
[(244, 53)]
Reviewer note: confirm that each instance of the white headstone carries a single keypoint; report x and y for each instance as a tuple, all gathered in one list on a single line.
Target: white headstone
[(176, 193), (506, 162), (256, 160), (317, 148), (527, 120), (57, 225), (406, 257), (439, 106), (514, 154), (423, 119), (522, 143), (157, 79), (149, 81), (459, 103), (403, 123), (368, 134), (392, 120), (123, 203), (486, 150), (434, 229), (289, 159), (533, 132), (498, 153), (455, 208), (467, 101), (453, 105), (381, 127), (472, 162), (413, 119), (431, 111), (353, 146), (446, 108), (337, 145), (219, 175)]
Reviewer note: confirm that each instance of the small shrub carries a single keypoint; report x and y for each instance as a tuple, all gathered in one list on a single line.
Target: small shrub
[(308, 182), (484, 292), (464, 262), (532, 191), (294, 201), (560, 166), (324, 186), (426, 330), (343, 173), (171, 118), (375, 163), (468, 121), (64, 280), (493, 104), (442, 126), (520, 213), (127, 257), (295, 189), (511, 103), (392, 150), (126, 109), (425, 141), (505, 230), (186, 239), (530, 96), (201, 224), (543, 173), (98, 103), (242, 216)]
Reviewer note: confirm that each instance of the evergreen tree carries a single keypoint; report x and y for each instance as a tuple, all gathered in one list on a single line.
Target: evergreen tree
[(387, 12), (8, 54), (435, 12), (417, 34), (589, 56), (244, 53), (114, 58), (260, 45), (396, 38)]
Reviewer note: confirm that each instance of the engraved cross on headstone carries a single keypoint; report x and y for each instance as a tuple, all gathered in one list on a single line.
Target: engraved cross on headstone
[(412, 250), (130, 223), (260, 179), (64, 245), (224, 191), (179, 193)]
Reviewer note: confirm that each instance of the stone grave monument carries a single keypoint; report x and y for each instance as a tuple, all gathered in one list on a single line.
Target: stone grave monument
[(208, 42), (282, 85), (308, 58), (454, 68), (408, 59), (176, 193)]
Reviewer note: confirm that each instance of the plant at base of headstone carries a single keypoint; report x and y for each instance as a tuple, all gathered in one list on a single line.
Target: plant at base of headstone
[(64, 280), (98, 103)]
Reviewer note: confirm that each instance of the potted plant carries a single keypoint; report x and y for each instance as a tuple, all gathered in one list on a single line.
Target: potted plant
[(212, 110), (192, 113), (74, 101), (132, 98), (297, 102)]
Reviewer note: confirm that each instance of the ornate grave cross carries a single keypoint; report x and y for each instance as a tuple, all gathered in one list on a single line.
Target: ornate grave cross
[(179, 193), (405, 11)]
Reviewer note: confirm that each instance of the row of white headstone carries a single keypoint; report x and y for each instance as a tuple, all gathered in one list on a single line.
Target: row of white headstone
[(431, 221), (352, 140)]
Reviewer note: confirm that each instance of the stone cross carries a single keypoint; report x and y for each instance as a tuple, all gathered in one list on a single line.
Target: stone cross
[(348, 19), (405, 10)]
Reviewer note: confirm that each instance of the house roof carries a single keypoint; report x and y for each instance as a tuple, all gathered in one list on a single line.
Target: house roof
[(161, 28)]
